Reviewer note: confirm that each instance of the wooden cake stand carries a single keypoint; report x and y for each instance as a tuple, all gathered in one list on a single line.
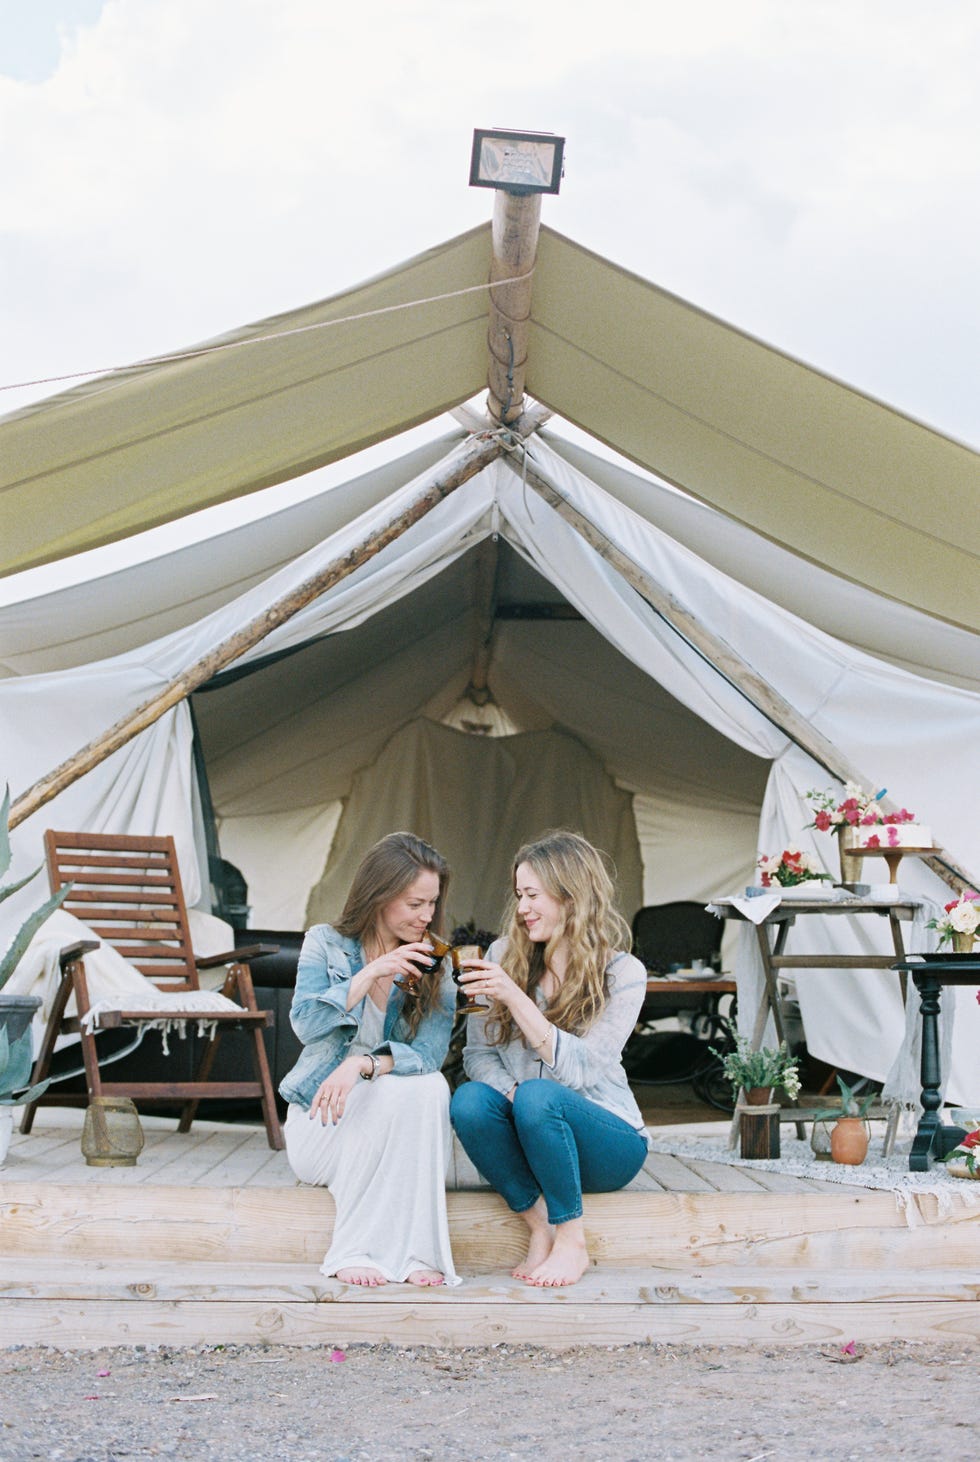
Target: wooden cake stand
[(892, 856)]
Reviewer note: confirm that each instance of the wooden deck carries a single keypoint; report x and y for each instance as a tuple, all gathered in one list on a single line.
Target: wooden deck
[(210, 1238), (216, 1155)]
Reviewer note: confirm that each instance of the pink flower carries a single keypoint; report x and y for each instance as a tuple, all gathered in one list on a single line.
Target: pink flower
[(851, 815), (893, 836), (868, 820), (822, 821), (874, 841)]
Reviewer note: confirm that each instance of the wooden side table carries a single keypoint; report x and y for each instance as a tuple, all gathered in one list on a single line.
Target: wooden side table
[(772, 934), (934, 1139)]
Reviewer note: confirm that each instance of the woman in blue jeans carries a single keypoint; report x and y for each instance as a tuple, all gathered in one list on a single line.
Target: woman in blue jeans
[(547, 1113)]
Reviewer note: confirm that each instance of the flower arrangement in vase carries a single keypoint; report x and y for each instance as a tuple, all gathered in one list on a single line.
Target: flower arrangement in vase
[(846, 815), (961, 1162), (790, 868), (959, 922)]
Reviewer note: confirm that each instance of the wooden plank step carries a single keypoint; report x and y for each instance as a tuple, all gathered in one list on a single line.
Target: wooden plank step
[(92, 1306), (673, 1230), (133, 1282)]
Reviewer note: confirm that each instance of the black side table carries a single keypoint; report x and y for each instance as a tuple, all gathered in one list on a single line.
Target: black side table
[(933, 1140)]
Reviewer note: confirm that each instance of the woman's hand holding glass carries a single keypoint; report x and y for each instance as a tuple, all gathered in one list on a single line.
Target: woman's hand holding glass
[(404, 963), (483, 977)]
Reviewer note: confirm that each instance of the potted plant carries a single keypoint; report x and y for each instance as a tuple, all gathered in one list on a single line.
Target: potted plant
[(12, 1090), (17, 1011), (958, 923), (757, 1073), (849, 1134)]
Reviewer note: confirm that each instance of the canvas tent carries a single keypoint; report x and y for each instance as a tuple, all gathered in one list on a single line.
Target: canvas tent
[(683, 778)]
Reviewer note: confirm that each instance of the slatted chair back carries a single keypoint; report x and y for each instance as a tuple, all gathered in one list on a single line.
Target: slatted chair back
[(128, 891)]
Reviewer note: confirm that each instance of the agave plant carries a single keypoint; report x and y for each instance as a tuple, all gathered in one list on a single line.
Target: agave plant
[(851, 1104), (32, 924)]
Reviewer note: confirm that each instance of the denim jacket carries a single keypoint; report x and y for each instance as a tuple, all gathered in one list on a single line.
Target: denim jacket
[(328, 962)]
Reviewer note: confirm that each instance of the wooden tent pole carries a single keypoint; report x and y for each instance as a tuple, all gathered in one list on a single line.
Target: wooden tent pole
[(475, 454), (514, 231), (723, 657), (485, 601)]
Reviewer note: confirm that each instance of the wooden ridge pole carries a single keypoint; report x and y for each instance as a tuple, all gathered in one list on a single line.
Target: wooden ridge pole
[(474, 455), (514, 231), (723, 657)]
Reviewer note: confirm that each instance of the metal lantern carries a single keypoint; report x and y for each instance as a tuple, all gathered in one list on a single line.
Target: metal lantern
[(112, 1136)]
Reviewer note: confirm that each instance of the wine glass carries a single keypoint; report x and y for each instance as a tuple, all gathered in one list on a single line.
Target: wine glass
[(411, 984), (472, 1005)]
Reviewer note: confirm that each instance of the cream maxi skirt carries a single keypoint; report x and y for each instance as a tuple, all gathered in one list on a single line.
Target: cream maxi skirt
[(385, 1164)]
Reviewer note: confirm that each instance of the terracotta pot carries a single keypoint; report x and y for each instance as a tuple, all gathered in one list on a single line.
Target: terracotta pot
[(758, 1096), (963, 943), (849, 1141)]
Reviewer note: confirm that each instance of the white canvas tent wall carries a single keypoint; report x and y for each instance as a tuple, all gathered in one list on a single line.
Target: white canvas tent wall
[(914, 735), (829, 681)]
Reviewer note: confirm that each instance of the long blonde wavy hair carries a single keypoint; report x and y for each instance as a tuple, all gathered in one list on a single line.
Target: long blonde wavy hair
[(385, 871), (591, 930)]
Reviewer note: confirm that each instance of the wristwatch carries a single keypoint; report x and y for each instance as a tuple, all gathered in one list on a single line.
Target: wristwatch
[(375, 1067)]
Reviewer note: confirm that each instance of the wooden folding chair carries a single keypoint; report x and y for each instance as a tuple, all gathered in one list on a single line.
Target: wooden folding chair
[(128, 891)]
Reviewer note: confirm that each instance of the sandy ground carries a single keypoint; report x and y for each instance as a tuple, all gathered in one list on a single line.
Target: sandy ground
[(672, 1403)]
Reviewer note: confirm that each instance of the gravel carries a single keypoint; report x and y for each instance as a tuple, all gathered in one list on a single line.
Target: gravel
[(368, 1402)]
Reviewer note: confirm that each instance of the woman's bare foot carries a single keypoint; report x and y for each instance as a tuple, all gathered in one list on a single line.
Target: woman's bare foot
[(361, 1275), (541, 1240), (568, 1259), (426, 1277)]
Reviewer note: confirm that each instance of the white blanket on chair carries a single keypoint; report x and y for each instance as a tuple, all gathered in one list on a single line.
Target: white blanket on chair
[(113, 983)]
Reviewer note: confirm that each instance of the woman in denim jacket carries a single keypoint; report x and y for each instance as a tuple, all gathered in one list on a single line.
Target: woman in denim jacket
[(547, 1113), (380, 1144)]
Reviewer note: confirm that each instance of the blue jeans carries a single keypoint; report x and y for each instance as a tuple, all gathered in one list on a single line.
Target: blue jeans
[(548, 1140)]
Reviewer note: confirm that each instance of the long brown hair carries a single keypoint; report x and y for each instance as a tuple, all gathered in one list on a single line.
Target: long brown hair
[(572, 871), (385, 871)]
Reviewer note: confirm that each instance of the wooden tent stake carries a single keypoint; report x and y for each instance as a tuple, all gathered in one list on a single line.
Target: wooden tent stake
[(471, 459), (721, 655)]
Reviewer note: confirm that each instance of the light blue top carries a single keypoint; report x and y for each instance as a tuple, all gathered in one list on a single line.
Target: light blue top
[(591, 1064), (328, 962)]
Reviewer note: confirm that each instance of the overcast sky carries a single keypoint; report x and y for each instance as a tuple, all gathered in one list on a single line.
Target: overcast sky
[(806, 169)]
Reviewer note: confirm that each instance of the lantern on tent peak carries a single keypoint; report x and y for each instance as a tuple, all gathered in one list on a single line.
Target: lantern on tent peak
[(517, 162)]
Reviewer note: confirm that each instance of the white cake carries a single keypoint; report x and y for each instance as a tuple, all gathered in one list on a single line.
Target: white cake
[(890, 835)]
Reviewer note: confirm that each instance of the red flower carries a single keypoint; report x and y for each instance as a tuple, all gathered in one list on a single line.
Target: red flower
[(971, 1139), (874, 841), (822, 821)]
